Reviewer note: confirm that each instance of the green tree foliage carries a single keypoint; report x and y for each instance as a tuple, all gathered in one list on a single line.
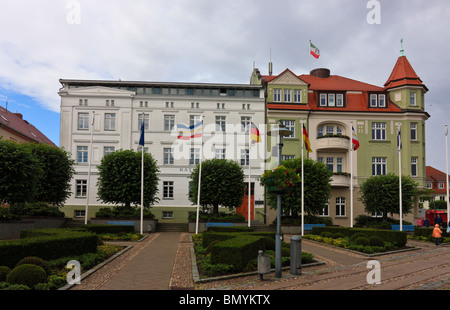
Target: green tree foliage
[(317, 188), (119, 180), (19, 173), (57, 171), (381, 194), (222, 184)]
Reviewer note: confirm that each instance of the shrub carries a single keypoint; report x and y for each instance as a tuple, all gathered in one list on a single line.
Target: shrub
[(376, 241), (362, 241), (326, 234), (36, 261), (27, 274), (356, 236), (4, 270), (338, 235)]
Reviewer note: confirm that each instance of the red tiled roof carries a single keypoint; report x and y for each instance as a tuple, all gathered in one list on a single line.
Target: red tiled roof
[(434, 174), (13, 122), (337, 83), (403, 74)]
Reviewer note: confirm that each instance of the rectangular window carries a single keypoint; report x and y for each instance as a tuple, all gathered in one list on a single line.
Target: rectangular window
[(220, 123), (330, 130), (290, 125), (287, 95), (339, 164), (108, 150), (413, 131), (340, 206), (277, 95), (220, 153), (110, 121), (297, 96), (245, 123), (323, 100), (381, 100), (195, 156), (194, 119), (81, 188), (414, 166), (441, 185), (169, 122), (82, 154), (245, 160), (145, 119), (320, 131), (83, 121), (331, 102), (330, 163), (168, 189), (287, 157), (339, 100), (373, 100), (412, 99), (168, 156), (378, 166), (378, 131), (167, 214), (430, 185)]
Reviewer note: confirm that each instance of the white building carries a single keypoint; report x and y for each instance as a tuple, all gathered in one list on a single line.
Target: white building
[(119, 107)]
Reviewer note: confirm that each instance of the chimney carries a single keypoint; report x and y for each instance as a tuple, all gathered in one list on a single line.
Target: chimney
[(18, 115), (322, 73)]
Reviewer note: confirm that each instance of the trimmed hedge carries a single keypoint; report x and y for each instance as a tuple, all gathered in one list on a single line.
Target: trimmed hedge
[(47, 244), (398, 238), (108, 229), (428, 231)]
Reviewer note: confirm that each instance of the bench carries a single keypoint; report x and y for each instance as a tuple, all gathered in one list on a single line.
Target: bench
[(310, 226), (404, 227), (123, 223), (218, 224)]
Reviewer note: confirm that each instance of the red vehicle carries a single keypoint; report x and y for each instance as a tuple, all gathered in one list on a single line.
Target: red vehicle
[(430, 215)]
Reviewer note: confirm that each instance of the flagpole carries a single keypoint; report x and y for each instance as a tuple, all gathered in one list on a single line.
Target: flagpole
[(89, 170), (309, 58), (249, 172), (303, 174), (199, 182), (399, 151), (446, 174), (142, 171), (351, 177)]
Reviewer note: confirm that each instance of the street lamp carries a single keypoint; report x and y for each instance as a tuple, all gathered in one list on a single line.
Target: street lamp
[(279, 131)]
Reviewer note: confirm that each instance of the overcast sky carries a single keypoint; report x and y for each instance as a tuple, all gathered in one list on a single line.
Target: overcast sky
[(42, 41)]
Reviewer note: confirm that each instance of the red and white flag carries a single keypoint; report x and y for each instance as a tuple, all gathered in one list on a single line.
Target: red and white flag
[(355, 141), (314, 50)]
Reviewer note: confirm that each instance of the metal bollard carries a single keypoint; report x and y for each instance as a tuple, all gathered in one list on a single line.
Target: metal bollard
[(263, 264), (296, 255)]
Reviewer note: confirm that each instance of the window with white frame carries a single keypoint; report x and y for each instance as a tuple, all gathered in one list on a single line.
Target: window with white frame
[(378, 166), (81, 188), (339, 100), (413, 127), (287, 95), (168, 156), (110, 121), (329, 130), (143, 118), (412, 99), (108, 150), (195, 156), (245, 158), (430, 185), (168, 189), (194, 119), (338, 164), (289, 125), (330, 163), (378, 131), (323, 100), (377, 100), (277, 95), (220, 123), (287, 157), (167, 214), (245, 123), (82, 154), (331, 100), (441, 185), (220, 153), (414, 166), (340, 206), (83, 121), (169, 122), (297, 95)]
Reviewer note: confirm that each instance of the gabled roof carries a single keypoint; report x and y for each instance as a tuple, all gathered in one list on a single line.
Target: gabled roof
[(403, 75), (337, 83), (14, 123)]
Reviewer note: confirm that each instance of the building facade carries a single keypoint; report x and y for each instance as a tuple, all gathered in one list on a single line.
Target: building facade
[(100, 117), (329, 106)]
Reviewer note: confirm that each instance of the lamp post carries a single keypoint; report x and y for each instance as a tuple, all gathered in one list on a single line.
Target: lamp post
[(279, 131)]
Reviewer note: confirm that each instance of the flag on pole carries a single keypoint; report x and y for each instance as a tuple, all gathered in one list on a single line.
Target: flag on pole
[(355, 141), (254, 134), (399, 141), (306, 139), (141, 140), (314, 50), (191, 132)]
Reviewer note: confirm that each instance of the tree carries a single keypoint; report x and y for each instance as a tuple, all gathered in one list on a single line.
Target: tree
[(53, 184), (19, 173), (222, 184), (317, 188), (381, 194), (119, 180)]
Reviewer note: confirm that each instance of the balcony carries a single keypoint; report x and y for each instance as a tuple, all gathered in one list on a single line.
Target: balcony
[(340, 180), (333, 143)]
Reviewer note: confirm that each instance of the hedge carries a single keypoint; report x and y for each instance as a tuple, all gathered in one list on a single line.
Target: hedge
[(399, 238), (108, 229), (47, 245), (428, 231)]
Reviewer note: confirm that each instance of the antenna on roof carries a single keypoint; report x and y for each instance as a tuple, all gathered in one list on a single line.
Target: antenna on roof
[(402, 51), (270, 62)]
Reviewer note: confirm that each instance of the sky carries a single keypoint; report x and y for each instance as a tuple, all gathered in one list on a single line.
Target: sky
[(214, 41)]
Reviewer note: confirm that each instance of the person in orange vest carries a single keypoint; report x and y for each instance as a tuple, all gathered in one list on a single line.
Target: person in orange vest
[(437, 234)]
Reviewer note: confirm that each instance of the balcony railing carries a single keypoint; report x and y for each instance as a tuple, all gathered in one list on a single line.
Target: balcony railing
[(333, 142)]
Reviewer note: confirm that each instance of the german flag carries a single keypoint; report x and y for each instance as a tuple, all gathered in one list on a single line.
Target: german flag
[(254, 134), (306, 139)]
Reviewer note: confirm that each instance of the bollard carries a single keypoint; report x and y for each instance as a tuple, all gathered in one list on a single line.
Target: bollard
[(296, 255), (263, 264)]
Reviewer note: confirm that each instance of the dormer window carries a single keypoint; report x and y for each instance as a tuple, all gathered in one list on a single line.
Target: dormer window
[(331, 100), (377, 100)]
